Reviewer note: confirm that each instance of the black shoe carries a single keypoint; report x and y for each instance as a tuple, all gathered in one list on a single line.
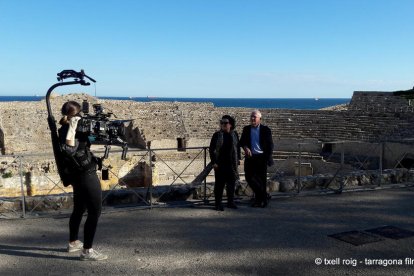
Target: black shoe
[(256, 204), (231, 206), (265, 202), (219, 208)]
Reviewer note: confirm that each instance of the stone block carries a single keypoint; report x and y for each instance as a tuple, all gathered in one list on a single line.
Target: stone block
[(287, 185), (305, 169), (273, 186), (308, 183)]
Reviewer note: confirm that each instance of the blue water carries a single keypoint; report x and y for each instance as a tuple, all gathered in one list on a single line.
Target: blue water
[(304, 103)]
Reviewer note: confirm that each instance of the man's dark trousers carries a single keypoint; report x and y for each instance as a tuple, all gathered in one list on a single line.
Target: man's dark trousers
[(255, 169)]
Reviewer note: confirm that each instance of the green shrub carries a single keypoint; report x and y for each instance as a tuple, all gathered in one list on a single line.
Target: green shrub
[(7, 175)]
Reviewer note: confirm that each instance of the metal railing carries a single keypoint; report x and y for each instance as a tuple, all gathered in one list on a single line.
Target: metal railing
[(176, 173), (344, 165), (338, 166)]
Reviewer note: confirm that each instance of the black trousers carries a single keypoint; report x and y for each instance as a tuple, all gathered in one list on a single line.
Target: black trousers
[(255, 169), (224, 177), (87, 195)]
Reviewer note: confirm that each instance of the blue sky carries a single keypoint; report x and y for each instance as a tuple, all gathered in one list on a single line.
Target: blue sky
[(209, 48)]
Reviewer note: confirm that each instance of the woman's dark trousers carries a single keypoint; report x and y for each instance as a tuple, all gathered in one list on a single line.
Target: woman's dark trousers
[(224, 177), (87, 195)]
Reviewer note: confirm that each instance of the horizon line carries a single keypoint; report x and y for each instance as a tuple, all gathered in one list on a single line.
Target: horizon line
[(166, 97)]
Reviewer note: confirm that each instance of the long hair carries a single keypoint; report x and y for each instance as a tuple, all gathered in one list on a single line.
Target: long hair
[(70, 108)]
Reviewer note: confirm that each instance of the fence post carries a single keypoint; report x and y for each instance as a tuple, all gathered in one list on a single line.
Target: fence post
[(341, 184), (152, 176), (380, 162), (205, 179), (22, 188), (300, 168)]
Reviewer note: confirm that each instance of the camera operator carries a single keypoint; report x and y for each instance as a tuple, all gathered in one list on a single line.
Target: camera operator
[(87, 193)]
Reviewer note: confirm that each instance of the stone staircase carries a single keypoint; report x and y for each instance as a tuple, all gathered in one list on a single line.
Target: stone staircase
[(284, 155), (357, 125), (379, 102)]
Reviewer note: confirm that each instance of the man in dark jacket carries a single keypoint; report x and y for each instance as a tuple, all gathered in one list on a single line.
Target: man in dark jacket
[(257, 143)]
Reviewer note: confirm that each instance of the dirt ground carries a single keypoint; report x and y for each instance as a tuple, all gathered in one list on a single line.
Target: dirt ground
[(288, 238)]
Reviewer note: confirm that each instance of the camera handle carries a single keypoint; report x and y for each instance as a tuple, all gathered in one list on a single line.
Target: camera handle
[(73, 74), (79, 79), (107, 149), (124, 151)]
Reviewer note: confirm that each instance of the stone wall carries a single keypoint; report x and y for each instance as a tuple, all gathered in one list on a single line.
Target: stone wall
[(36, 175), (379, 101), (24, 129), (23, 126)]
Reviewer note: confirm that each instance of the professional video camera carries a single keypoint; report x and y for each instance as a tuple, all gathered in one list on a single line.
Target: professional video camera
[(99, 127)]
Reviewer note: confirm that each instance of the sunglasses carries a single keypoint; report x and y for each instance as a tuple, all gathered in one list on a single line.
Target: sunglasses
[(224, 123)]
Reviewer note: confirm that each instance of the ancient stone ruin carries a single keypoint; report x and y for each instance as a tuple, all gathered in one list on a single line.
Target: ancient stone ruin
[(380, 120)]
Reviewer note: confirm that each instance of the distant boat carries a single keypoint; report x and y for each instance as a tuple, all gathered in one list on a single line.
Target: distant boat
[(316, 99)]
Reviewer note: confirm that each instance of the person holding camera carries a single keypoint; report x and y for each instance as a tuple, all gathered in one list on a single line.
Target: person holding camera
[(87, 193), (225, 156)]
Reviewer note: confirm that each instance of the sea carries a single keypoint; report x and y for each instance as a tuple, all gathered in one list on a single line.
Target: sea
[(259, 103)]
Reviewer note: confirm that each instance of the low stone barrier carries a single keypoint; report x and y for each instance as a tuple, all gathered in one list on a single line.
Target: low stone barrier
[(347, 180)]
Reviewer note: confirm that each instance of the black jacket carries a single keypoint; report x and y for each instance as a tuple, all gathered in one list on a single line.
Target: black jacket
[(82, 159), (266, 141), (214, 156)]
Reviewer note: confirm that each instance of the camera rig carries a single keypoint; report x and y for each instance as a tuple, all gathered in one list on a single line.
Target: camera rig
[(98, 126), (101, 129)]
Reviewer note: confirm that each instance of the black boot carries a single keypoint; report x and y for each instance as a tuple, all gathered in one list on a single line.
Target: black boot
[(266, 200), (231, 205), (219, 207)]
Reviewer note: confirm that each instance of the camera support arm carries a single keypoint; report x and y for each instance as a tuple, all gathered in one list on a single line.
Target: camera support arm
[(78, 79), (51, 120)]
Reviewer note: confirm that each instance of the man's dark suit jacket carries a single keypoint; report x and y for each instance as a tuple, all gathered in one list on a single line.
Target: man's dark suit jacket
[(266, 141)]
